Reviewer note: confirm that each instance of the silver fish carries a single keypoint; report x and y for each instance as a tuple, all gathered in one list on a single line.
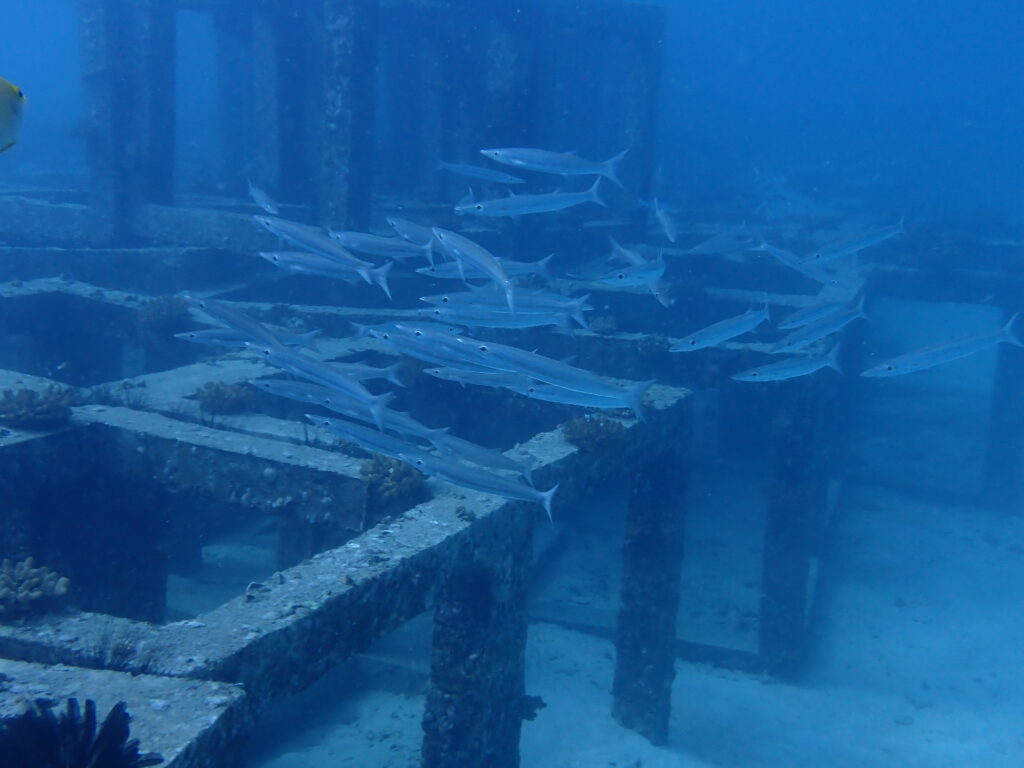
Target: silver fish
[(729, 240), (530, 301), (560, 163), (228, 337), (411, 231), (855, 244), (722, 331), (322, 373), (659, 289), (479, 172), (486, 378), (668, 227), (301, 262), (794, 262), (234, 319), (635, 274), (467, 199), (808, 315), (791, 368), (478, 480), (450, 270), (466, 251), (553, 394), (261, 198), (366, 438), (929, 357), (820, 328), (522, 205), (376, 245), (315, 394), (464, 450), (496, 317), (315, 240)]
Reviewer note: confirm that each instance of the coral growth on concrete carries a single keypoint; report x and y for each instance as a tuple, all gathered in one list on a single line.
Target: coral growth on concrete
[(594, 434), (164, 313), (39, 739), (221, 399), (29, 409), (27, 591), (391, 486)]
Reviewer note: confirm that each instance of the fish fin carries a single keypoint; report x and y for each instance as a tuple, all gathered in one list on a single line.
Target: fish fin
[(860, 308), (767, 314), (7, 146), (361, 330), (1009, 335), (392, 374), (611, 167), (510, 296), (546, 497), (380, 277), (594, 196), (577, 311), (635, 397), (542, 266), (380, 405), (308, 340), (832, 359)]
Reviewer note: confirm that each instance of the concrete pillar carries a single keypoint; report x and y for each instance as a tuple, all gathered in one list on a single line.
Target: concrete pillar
[(476, 697), (233, 26), (795, 503), (652, 569), (264, 152), (342, 115), (128, 68)]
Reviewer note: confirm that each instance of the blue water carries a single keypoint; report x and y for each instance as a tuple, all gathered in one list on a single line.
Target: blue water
[(790, 123)]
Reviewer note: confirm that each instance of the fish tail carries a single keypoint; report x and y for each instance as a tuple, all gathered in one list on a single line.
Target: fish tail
[(308, 340), (391, 374), (1009, 335), (546, 498), (542, 266), (510, 296), (635, 397), (594, 196), (832, 359), (380, 277), (577, 311), (379, 407), (611, 167), (526, 469), (428, 252)]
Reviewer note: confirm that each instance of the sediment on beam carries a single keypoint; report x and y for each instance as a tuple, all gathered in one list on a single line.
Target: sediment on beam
[(189, 723)]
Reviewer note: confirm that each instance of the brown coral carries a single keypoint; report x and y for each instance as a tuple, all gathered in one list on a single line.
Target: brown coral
[(27, 591), (29, 409), (391, 486)]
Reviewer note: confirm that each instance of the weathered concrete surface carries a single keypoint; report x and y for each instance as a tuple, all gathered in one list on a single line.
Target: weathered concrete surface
[(645, 639), (282, 635), (191, 723)]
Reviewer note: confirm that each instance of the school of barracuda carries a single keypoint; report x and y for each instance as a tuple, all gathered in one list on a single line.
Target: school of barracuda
[(492, 298)]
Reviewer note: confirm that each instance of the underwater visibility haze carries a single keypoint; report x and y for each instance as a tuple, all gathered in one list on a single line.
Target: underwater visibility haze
[(552, 383)]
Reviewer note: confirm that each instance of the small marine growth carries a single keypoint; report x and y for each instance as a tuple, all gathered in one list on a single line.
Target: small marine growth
[(594, 434), (29, 409), (27, 591), (222, 399), (164, 314), (38, 738), (391, 486)]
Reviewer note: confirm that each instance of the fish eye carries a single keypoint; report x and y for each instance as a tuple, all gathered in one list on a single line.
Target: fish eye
[(621, 276), (755, 374), (692, 342), (21, 93), (483, 348), (890, 367), (479, 207)]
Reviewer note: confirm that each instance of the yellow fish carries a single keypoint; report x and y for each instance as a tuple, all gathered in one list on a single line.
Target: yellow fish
[(12, 104)]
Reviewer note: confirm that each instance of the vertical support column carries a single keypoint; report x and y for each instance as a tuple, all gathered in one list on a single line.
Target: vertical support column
[(1005, 452), (344, 162), (639, 109), (652, 570), (128, 70), (476, 698), (795, 494), (264, 160), (233, 26)]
